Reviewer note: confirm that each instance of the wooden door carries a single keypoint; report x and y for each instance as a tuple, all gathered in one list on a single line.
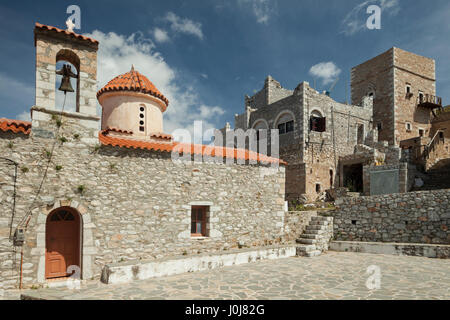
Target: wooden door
[(62, 243)]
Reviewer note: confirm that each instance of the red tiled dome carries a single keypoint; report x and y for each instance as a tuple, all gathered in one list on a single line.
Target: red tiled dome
[(133, 81)]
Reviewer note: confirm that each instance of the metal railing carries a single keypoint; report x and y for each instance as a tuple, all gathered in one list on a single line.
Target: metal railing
[(429, 99)]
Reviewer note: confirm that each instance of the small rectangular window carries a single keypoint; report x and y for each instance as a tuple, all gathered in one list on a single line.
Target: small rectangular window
[(421, 97), (282, 128), (199, 221), (441, 135), (379, 126), (289, 126), (142, 129), (421, 133)]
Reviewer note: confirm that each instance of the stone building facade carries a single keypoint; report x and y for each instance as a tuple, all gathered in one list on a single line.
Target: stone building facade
[(394, 118), (321, 130), (85, 198)]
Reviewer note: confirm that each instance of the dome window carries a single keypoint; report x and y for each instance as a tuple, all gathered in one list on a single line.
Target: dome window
[(142, 121)]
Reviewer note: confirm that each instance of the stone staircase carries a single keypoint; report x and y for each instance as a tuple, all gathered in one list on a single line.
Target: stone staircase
[(436, 178), (316, 237)]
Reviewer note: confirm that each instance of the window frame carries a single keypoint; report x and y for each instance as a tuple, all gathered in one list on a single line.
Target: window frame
[(317, 124), (203, 220)]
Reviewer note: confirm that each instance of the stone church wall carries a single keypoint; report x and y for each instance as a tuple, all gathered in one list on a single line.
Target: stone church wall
[(134, 204)]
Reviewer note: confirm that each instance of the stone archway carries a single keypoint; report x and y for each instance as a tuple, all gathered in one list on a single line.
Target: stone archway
[(87, 246)]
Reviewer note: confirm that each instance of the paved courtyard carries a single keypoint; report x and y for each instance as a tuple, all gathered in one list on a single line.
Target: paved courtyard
[(330, 276)]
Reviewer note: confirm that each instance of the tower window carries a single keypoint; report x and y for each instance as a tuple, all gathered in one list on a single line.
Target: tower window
[(318, 188), (421, 97), (421, 132), (379, 126), (408, 127)]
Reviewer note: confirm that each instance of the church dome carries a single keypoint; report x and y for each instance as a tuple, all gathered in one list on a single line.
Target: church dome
[(135, 82)]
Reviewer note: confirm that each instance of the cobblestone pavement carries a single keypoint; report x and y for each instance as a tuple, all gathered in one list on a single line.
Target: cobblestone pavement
[(330, 276)]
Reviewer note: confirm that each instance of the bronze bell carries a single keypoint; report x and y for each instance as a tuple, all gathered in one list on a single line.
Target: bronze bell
[(66, 73)]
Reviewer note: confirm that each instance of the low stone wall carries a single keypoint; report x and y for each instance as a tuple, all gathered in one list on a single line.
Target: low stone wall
[(396, 249), (416, 217), (295, 223), (140, 270)]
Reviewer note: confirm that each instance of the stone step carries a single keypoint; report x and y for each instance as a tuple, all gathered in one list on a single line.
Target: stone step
[(321, 218), (307, 241), (319, 223), (303, 248), (314, 253), (311, 236), (314, 228)]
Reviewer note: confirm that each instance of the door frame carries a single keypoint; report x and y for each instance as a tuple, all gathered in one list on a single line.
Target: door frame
[(77, 240), (88, 249)]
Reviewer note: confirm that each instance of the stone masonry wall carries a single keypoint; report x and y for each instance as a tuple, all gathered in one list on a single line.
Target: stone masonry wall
[(312, 155), (406, 176), (419, 73), (416, 217), (440, 150), (135, 204), (323, 149), (377, 75)]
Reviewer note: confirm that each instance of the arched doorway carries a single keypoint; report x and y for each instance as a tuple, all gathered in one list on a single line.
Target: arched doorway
[(62, 242)]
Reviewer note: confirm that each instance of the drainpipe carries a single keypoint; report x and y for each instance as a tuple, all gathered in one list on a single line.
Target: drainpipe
[(21, 256)]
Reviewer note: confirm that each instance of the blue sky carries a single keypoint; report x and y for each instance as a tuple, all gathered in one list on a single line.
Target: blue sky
[(206, 55)]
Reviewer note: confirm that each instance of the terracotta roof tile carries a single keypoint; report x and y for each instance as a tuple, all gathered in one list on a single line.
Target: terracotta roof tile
[(133, 81), (134, 144), (112, 129), (162, 136), (187, 148), (76, 35), (15, 126)]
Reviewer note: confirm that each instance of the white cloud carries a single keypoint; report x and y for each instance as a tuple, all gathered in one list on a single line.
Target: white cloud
[(204, 75), (16, 92), (24, 116), (160, 35), (356, 19), (184, 25), (116, 55), (262, 9), (327, 71)]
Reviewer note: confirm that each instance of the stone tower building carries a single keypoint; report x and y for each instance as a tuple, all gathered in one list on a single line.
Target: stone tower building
[(403, 85), (52, 46)]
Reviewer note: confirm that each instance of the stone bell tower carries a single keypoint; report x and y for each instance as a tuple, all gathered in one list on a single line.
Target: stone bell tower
[(54, 45)]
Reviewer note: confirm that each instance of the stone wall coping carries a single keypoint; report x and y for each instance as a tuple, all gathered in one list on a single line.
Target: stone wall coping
[(210, 254), (398, 196), (65, 113), (394, 244)]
